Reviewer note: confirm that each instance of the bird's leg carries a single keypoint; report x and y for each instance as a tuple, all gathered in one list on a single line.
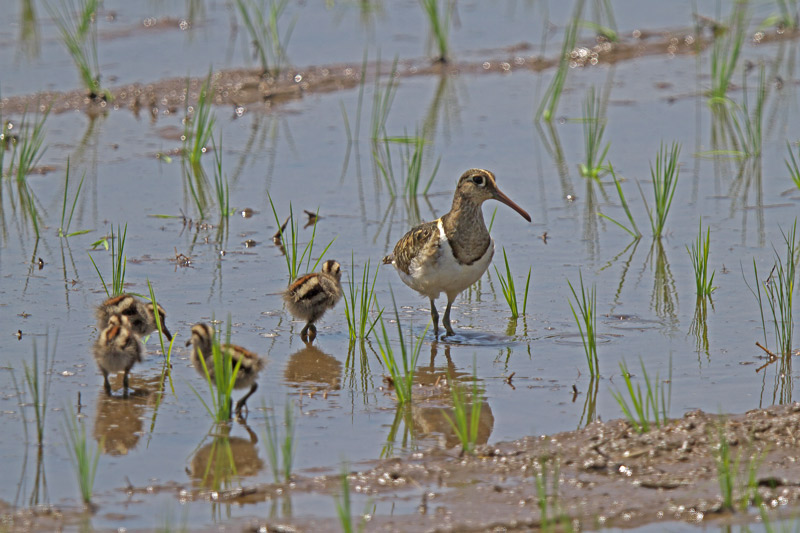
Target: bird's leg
[(304, 333), (241, 403), (312, 332), (253, 437), (106, 384), (125, 385), (435, 318), (446, 320)]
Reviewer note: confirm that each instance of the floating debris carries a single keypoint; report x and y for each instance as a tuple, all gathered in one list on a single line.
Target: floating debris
[(277, 237), (312, 218)]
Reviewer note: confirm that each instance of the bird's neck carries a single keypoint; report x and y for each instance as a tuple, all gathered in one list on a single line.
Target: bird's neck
[(466, 230)]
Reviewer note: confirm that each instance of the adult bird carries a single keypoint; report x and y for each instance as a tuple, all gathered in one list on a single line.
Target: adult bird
[(452, 252)]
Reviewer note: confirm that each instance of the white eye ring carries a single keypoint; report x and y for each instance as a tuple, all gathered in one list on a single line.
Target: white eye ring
[(479, 180)]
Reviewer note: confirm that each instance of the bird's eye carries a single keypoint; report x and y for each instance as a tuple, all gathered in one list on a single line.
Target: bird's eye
[(478, 180)]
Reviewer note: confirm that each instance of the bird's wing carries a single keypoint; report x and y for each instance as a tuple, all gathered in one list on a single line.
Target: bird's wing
[(412, 243)]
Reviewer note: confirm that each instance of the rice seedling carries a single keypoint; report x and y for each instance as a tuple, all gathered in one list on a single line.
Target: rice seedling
[(220, 181), (350, 135), (749, 129), (466, 417), (509, 291), (587, 323), (633, 230), (160, 328), (29, 147), (404, 414), (169, 522), (402, 377), (360, 300), (38, 384), (698, 254), (551, 517), (589, 412), (293, 260), (221, 386), (439, 21), (262, 22), (77, 23), (491, 220), (767, 522), (118, 262), (281, 465), (594, 126), (220, 468), (785, 19), (29, 40), (605, 24), (197, 181), (665, 181), (63, 229), (779, 293), (198, 124), (794, 168), (410, 164), (413, 172), (725, 54), (699, 325), (732, 481), (648, 409), (84, 459), (549, 104), (382, 100), (343, 506)]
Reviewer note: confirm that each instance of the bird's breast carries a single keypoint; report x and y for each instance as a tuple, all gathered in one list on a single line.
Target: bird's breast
[(439, 270)]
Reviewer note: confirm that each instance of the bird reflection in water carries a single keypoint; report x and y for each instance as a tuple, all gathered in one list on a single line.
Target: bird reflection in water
[(312, 369), (428, 412), (119, 422), (216, 465)]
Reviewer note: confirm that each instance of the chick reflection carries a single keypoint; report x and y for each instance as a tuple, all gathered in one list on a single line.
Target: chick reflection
[(216, 464), (428, 416), (119, 422), (310, 367)]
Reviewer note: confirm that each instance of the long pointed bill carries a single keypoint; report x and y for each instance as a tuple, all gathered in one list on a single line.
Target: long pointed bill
[(499, 196)]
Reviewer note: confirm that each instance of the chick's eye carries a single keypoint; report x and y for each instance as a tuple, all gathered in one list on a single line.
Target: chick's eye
[(478, 180)]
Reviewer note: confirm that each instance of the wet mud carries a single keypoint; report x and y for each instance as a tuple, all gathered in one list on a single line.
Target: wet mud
[(243, 88), (609, 476)]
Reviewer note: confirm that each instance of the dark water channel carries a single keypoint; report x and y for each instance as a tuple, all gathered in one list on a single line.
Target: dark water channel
[(298, 153)]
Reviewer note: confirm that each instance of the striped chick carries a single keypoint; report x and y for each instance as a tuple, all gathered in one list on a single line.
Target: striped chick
[(309, 296)]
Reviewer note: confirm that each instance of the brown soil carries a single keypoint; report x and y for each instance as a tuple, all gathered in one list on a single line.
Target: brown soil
[(609, 476), (248, 88)]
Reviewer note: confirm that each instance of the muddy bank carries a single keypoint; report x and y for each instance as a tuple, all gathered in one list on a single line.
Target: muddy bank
[(249, 88), (609, 476)]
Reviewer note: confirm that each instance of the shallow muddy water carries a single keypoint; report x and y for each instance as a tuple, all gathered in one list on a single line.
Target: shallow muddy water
[(158, 444)]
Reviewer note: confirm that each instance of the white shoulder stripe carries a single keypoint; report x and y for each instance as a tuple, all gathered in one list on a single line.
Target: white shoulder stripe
[(440, 225)]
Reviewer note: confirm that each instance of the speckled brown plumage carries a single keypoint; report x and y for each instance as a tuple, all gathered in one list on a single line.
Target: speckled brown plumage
[(412, 244), (311, 295), (139, 313), (202, 341), (452, 252), (117, 349)]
